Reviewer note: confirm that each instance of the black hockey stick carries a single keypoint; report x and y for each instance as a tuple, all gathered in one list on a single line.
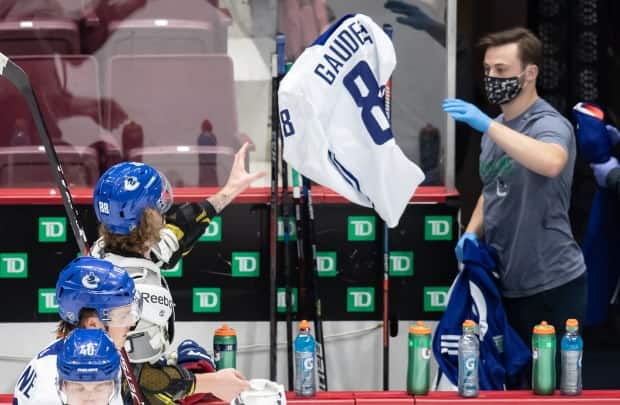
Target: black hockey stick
[(389, 30), (18, 78), (318, 314), (273, 235), (14, 74), (286, 204)]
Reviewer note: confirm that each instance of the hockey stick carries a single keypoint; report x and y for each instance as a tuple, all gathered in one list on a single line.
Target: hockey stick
[(389, 30), (287, 254), (273, 235), (18, 78), (318, 315), (14, 74)]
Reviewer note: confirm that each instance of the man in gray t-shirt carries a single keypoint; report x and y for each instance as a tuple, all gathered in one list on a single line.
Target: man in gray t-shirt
[(526, 168)]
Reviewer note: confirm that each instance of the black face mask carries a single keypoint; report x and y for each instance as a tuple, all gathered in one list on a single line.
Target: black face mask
[(501, 90)]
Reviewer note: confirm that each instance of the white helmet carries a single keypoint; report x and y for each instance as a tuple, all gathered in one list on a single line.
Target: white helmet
[(154, 332)]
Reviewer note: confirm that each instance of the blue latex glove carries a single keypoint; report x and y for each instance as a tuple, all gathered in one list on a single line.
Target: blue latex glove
[(413, 15), (458, 250), (601, 170), (190, 352), (468, 113), (614, 134)]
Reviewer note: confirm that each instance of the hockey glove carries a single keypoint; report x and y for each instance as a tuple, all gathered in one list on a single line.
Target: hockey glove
[(164, 385)]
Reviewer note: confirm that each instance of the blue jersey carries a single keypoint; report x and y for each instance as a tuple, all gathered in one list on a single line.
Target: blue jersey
[(332, 115), (474, 296)]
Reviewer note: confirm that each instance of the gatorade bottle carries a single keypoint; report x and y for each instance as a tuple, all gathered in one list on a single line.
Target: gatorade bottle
[(572, 352), (305, 352), (419, 366), (225, 347), (543, 359), (469, 359)]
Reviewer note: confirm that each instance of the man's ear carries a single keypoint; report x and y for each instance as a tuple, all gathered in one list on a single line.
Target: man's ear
[(92, 322), (531, 73)]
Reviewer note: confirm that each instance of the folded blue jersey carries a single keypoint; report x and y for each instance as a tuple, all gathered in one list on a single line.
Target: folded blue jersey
[(475, 296)]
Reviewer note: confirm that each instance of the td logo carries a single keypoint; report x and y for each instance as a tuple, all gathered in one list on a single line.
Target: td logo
[(360, 228), (326, 264), (245, 264), (13, 265), (435, 299), (401, 264), (360, 299), (438, 227), (213, 233), (206, 299), (175, 272), (47, 301), (292, 229), (52, 229), (281, 300)]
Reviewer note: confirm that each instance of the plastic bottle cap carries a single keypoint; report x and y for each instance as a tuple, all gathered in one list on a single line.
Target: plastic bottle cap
[(225, 330), (419, 329), (544, 329), (572, 323), (304, 325), (469, 323)]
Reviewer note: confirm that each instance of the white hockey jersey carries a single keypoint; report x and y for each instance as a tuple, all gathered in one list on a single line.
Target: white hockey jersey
[(333, 118), (37, 383)]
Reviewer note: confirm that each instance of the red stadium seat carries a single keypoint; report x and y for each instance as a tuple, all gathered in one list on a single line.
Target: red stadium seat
[(28, 166), (189, 166), (170, 97), (37, 37)]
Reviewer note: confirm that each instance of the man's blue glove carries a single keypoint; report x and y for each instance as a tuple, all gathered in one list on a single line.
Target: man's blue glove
[(458, 250), (190, 352), (468, 113), (413, 15), (614, 134), (601, 170)]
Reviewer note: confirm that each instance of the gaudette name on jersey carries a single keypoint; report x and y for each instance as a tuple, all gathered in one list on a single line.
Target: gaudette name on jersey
[(340, 48)]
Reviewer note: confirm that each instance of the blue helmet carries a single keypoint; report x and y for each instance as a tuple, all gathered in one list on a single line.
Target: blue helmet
[(88, 355), (93, 283), (125, 190)]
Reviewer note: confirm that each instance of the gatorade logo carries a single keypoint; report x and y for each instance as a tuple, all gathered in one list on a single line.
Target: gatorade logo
[(401, 264), (47, 301), (292, 229), (470, 363), (281, 300), (426, 353), (13, 265), (361, 228), (213, 233), (245, 264), (438, 228), (360, 299), (206, 299), (435, 299), (175, 272), (326, 264), (308, 363), (52, 229)]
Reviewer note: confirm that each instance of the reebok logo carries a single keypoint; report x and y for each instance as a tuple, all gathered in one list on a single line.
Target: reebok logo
[(52, 229), (157, 299)]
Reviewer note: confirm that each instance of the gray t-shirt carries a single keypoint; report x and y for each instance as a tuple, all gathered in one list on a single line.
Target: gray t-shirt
[(526, 214)]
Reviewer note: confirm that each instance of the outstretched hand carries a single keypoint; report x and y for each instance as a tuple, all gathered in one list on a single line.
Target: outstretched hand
[(468, 113), (239, 178)]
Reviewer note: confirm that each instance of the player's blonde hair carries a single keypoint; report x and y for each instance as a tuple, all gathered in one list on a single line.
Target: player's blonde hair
[(139, 240)]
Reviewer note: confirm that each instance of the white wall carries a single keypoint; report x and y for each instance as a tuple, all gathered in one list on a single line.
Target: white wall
[(353, 351)]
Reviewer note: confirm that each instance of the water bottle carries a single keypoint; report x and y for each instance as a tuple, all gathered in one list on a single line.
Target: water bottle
[(225, 347), (572, 352), (419, 366), (469, 357), (305, 352), (543, 359)]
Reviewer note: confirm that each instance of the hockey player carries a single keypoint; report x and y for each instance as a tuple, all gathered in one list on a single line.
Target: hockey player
[(89, 369), (92, 294), (141, 233)]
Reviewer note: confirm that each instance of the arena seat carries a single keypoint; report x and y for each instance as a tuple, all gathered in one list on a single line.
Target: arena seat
[(36, 37)]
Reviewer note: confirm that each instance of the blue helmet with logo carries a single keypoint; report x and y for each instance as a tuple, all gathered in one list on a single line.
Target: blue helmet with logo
[(125, 190), (96, 284), (88, 355)]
